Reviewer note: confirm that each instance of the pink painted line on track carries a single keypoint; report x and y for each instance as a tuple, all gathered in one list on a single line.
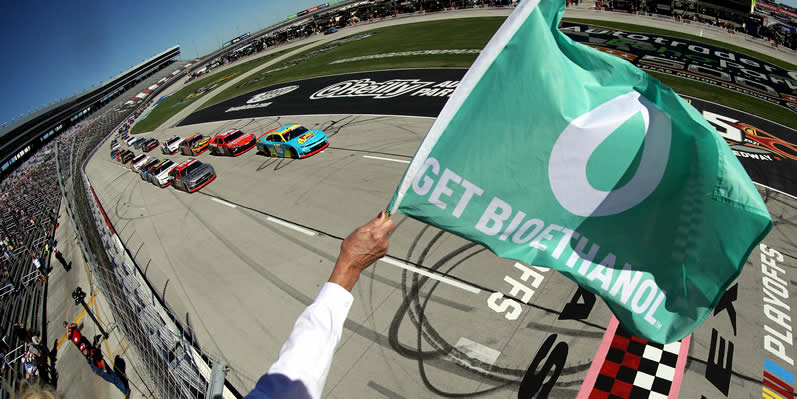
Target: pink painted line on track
[(679, 368), (597, 362)]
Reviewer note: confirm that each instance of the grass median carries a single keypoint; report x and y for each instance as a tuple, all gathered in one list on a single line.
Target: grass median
[(452, 34), (198, 89)]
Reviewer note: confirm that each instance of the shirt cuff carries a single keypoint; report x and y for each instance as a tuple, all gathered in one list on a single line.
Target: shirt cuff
[(332, 293)]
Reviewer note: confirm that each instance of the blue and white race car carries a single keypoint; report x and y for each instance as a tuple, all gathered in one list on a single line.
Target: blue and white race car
[(292, 141)]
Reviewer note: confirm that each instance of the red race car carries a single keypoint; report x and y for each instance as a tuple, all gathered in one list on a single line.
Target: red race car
[(150, 144), (191, 175), (232, 142)]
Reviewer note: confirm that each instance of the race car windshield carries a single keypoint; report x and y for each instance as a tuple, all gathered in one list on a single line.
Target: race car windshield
[(191, 168), (196, 139), (173, 140), (232, 137), (294, 133)]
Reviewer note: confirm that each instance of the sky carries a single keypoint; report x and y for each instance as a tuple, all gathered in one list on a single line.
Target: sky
[(55, 49)]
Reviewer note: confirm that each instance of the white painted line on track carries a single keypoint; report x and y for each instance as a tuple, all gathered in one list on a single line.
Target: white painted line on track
[(386, 159), (224, 203), (434, 276), (477, 351), (291, 226), (776, 190)]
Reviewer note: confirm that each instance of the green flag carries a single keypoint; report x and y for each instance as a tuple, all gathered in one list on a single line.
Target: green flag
[(555, 154)]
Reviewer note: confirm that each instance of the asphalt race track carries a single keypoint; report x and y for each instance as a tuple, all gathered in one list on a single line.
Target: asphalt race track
[(239, 260), (767, 150)]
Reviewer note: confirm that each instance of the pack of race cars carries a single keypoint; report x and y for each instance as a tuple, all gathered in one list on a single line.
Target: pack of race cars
[(287, 141)]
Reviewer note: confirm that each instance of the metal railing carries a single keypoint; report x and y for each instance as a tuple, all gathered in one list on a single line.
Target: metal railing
[(172, 363)]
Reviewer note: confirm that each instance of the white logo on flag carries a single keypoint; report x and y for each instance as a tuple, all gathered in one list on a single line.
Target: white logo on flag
[(567, 168)]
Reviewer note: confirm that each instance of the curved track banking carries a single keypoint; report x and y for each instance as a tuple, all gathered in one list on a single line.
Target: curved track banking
[(226, 262), (239, 260)]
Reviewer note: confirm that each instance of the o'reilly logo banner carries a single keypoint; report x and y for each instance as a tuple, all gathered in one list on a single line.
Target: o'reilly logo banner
[(693, 60), (767, 150)]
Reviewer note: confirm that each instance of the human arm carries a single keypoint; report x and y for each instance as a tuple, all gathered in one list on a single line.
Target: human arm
[(305, 358)]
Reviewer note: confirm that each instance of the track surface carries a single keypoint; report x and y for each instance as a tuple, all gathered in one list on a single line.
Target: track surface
[(240, 279), (238, 262)]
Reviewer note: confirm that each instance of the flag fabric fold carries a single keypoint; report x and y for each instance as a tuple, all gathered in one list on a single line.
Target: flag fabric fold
[(555, 154)]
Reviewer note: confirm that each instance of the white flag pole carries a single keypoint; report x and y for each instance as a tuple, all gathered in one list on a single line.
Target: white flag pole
[(483, 62)]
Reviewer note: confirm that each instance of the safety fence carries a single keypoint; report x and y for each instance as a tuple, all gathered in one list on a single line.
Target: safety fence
[(172, 365)]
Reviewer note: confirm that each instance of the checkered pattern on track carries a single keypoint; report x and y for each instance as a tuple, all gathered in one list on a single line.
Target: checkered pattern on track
[(635, 368)]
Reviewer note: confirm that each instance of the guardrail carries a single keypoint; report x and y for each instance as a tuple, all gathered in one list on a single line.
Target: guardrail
[(166, 353)]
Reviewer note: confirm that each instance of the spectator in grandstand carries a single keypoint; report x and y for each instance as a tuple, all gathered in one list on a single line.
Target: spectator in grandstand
[(40, 354), (4, 348), (37, 263), (304, 360), (62, 261), (23, 334), (7, 284), (29, 365)]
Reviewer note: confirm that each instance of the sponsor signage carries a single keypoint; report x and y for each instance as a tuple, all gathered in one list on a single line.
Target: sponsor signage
[(693, 60), (776, 9), (767, 150)]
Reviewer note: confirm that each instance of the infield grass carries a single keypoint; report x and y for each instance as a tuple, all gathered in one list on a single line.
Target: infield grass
[(194, 90), (451, 34)]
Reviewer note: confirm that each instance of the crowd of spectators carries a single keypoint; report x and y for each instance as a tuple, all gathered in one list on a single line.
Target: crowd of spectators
[(29, 207), (29, 203), (734, 22)]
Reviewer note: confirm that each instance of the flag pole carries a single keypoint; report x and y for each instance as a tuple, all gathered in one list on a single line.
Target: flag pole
[(483, 62)]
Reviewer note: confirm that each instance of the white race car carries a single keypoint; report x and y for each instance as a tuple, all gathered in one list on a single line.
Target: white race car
[(138, 162), (171, 145), (161, 177)]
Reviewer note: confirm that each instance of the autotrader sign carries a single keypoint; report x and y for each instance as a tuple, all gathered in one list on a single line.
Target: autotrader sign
[(767, 150), (693, 60)]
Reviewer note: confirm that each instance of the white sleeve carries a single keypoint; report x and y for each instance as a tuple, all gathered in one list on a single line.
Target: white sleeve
[(307, 354)]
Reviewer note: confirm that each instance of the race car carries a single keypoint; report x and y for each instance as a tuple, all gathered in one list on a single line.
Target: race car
[(232, 142), (194, 144), (127, 156), (192, 175), (138, 162), (143, 171), (130, 140), (159, 174), (292, 141), (171, 145), (139, 141), (330, 31), (114, 154), (149, 145)]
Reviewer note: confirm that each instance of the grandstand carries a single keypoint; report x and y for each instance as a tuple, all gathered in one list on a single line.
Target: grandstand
[(30, 199), (27, 135)]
